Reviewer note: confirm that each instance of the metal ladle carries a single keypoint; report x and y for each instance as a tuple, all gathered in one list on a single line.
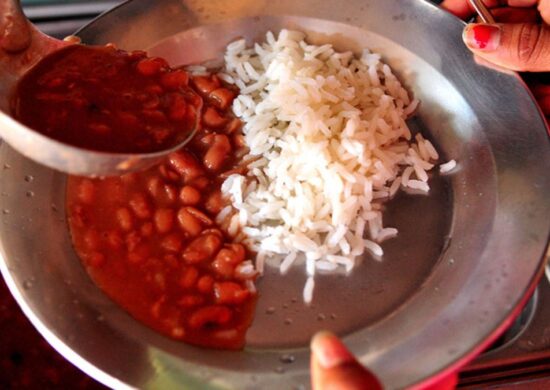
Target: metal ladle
[(483, 12), (21, 47)]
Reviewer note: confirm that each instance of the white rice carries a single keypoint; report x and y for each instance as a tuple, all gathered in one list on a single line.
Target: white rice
[(331, 133), (447, 167)]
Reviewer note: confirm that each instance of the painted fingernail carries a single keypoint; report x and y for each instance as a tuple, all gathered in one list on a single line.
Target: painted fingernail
[(484, 37), (329, 350)]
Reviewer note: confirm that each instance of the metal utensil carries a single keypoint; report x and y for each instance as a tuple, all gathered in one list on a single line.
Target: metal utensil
[(483, 12), (467, 257), (16, 57)]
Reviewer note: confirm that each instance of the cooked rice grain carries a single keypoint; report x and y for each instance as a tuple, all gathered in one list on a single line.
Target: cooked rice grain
[(330, 128)]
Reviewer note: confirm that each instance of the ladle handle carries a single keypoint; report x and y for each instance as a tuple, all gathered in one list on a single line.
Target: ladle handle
[(21, 46), (15, 28), (483, 12)]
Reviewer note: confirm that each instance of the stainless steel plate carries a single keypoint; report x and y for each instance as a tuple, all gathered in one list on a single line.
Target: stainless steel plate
[(466, 258)]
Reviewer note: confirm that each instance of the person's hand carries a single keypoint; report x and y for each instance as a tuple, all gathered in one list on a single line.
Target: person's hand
[(520, 40), (21, 46), (517, 42), (333, 367), (15, 32)]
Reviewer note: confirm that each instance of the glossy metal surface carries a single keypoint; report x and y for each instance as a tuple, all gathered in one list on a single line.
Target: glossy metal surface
[(57, 155), (482, 10), (466, 258)]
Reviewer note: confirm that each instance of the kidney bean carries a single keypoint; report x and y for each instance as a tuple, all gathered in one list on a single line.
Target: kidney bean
[(222, 98), (96, 259), (160, 280), (202, 248), (151, 66), (55, 82), (205, 219), (230, 293), (174, 80), (217, 153), (171, 260), (190, 196), (232, 254), (86, 191), (139, 254), (114, 239), (116, 190), (214, 202), (223, 269), (132, 240), (154, 186), (154, 115), (178, 332), (177, 107), (157, 306), (140, 206), (186, 165), (239, 154), (239, 141), (205, 284), (171, 193), (200, 183), (215, 231), (129, 179), (213, 119), (225, 336), (125, 219), (191, 300), (164, 220), (168, 174), (207, 139), (92, 239), (190, 224), (127, 119), (205, 84), (189, 278), (233, 126), (243, 275), (146, 229), (100, 128), (159, 134), (172, 242), (155, 89), (210, 315), (152, 102)]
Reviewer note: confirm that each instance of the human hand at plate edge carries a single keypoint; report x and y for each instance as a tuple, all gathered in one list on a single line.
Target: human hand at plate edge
[(333, 367), (520, 41)]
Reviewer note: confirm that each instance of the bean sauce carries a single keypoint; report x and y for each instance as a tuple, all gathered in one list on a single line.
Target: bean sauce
[(150, 239), (104, 99)]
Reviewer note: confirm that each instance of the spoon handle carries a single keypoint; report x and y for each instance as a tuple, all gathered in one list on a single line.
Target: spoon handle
[(483, 12), (15, 29), (21, 46)]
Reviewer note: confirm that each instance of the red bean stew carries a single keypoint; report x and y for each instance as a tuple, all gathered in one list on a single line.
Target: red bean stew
[(150, 240), (104, 99)]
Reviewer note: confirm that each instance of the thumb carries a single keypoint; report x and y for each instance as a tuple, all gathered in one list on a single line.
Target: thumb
[(333, 367), (519, 47), (15, 32)]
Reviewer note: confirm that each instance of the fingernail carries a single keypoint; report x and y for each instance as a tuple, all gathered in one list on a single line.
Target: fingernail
[(329, 350), (484, 37)]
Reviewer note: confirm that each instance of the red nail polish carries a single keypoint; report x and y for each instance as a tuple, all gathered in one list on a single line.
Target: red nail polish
[(484, 37)]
